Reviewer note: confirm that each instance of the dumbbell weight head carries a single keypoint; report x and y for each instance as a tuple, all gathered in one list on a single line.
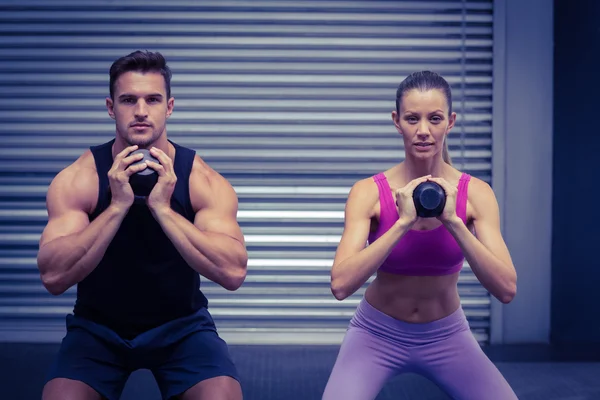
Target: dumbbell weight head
[(429, 199), (143, 182)]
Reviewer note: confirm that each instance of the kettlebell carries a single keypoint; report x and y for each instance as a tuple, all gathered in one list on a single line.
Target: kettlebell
[(429, 199), (143, 182)]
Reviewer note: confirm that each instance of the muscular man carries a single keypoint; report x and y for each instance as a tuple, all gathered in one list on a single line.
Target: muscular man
[(137, 261)]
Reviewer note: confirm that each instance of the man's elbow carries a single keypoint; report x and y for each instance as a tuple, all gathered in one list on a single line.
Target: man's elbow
[(54, 284), (235, 279)]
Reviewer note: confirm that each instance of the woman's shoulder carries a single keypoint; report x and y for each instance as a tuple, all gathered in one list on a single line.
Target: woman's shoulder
[(363, 186), (478, 187), (481, 197), (365, 192)]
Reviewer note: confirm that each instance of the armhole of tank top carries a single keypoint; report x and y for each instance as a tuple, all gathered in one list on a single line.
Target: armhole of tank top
[(385, 194), (98, 153), (184, 168), (463, 196)]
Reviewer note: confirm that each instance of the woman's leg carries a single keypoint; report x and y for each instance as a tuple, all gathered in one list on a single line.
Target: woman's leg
[(364, 364), (458, 365), (372, 352)]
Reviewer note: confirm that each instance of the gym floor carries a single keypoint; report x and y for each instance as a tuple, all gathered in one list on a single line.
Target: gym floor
[(301, 372)]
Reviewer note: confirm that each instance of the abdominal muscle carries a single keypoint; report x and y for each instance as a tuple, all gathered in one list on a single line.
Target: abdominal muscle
[(414, 299)]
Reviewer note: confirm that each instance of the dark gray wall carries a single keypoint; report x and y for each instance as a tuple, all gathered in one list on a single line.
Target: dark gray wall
[(576, 234), (523, 162)]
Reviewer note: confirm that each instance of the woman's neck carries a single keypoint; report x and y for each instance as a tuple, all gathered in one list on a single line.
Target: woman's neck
[(416, 168)]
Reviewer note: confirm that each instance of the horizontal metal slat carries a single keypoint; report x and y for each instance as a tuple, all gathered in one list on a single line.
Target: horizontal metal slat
[(83, 117), (187, 133), (201, 141), (240, 28), (399, 55), (280, 78), (182, 91), (362, 16), (275, 105), (252, 166), (261, 5), (441, 42), (350, 155), (279, 314)]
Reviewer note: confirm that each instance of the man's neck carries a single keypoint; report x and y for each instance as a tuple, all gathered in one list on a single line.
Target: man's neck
[(161, 143)]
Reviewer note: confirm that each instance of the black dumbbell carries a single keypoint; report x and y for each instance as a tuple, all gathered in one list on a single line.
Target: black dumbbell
[(142, 182), (430, 199)]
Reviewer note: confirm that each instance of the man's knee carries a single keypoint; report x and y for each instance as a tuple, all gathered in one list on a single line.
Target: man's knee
[(68, 389), (217, 388)]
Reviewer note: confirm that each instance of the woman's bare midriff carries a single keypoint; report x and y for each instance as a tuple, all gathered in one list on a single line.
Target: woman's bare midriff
[(415, 299)]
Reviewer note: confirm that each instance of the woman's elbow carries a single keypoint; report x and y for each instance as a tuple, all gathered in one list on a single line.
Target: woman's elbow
[(339, 294), (339, 290), (509, 293)]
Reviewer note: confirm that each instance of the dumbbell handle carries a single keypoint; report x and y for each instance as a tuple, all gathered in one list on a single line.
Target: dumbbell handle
[(147, 157), (429, 199)]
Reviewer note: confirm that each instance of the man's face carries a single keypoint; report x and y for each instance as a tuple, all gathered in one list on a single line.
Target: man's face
[(140, 107)]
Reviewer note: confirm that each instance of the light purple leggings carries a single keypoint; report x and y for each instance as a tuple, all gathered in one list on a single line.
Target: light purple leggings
[(377, 347)]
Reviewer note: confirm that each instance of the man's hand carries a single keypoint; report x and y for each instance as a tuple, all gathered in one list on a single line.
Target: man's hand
[(118, 177), (160, 196)]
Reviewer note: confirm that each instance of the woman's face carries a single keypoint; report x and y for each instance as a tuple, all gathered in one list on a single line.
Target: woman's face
[(423, 122)]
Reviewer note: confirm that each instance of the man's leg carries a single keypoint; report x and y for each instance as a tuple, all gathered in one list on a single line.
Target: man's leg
[(87, 366), (218, 388), (68, 389), (197, 366)]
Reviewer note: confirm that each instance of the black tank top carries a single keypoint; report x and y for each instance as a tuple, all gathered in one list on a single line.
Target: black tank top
[(142, 281)]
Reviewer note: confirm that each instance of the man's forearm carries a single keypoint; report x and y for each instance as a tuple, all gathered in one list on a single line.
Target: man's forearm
[(67, 260), (216, 256)]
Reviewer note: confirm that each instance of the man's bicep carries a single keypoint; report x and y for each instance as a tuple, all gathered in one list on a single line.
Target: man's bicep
[(219, 221), (219, 215), (66, 214), (65, 224)]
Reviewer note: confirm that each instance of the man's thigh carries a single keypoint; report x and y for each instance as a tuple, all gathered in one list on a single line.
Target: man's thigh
[(219, 388), (86, 358), (68, 389), (197, 363)]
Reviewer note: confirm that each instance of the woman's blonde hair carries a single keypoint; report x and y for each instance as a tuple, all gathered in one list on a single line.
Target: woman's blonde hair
[(446, 152)]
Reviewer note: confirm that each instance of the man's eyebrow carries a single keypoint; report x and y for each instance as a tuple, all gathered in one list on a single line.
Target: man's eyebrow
[(133, 95)]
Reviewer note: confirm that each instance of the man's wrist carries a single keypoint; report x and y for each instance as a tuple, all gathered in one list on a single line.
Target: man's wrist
[(160, 211)]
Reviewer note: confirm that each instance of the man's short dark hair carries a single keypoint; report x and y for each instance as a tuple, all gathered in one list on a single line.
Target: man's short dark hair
[(140, 61)]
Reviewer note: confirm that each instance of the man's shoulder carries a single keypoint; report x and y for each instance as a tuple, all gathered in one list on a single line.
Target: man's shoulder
[(83, 166), (79, 178), (207, 185), (204, 173)]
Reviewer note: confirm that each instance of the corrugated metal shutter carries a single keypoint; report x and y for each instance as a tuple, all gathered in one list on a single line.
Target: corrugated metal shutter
[(291, 101)]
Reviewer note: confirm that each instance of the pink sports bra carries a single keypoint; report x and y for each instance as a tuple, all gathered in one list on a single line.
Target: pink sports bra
[(420, 253)]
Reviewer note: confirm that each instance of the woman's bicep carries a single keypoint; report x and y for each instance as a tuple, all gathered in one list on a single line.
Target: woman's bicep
[(357, 224), (486, 224)]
